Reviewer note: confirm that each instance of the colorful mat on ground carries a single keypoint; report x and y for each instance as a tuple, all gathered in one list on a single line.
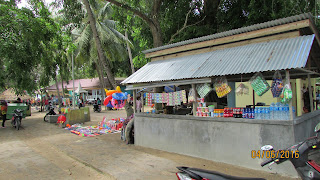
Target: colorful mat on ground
[(104, 127)]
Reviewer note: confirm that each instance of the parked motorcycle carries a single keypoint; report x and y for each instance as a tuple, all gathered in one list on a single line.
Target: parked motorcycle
[(16, 118), (187, 173), (51, 112), (299, 155), (97, 108)]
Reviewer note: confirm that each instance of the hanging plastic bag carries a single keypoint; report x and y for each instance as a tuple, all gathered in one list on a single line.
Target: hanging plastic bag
[(191, 96), (203, 89), (221, 86), (286, 94), (242, 89), (277, 84), (259, 84)]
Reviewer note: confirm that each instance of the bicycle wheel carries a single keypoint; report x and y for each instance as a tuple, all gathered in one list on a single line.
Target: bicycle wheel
[(18, 123)]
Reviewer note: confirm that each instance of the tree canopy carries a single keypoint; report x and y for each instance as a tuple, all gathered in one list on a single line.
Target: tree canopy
[(25, 37), (36, 46)]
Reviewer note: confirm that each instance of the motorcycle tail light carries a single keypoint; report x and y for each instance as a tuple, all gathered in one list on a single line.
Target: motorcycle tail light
[(183, 176)]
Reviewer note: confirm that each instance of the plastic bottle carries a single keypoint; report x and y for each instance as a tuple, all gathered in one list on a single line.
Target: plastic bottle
[(287, 112), (267, 113), (281, 112), (252, 113), (271, 109), (276, 112), (263, 113), (256, 115), (293, 112)]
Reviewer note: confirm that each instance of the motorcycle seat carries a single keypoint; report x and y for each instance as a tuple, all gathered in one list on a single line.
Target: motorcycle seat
[(214, 175)]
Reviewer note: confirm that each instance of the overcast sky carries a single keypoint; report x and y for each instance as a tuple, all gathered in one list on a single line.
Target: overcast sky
[(25, 4)]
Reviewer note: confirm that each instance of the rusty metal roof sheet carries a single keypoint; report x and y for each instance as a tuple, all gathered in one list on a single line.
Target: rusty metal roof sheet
[(266, 56)]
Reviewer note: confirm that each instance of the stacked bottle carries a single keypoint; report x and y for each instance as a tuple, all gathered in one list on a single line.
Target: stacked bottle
[(272, 110), (276, 111)]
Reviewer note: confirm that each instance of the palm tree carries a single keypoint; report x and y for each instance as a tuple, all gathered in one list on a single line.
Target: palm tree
[(99, 40)]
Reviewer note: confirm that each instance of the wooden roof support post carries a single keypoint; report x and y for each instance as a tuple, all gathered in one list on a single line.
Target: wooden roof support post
[(310, 93), (134, 101), (142, 101), (195, 104), (290, 102)]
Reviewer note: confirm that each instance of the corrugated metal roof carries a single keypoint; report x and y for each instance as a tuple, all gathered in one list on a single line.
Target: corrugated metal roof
[(236, 31), (267, 56)]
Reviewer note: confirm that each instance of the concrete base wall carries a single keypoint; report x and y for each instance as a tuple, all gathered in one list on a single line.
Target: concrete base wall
[(228, 140), (78, 116), (52, 118)]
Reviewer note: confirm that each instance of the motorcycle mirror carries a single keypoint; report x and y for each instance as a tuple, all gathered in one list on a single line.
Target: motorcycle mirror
[(266, 148), (317, 128)]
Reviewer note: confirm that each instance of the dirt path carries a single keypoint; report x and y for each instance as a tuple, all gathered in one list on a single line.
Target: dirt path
[(43, 151)]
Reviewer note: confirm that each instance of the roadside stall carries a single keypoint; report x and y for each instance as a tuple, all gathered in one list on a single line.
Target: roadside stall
[(281, 52)]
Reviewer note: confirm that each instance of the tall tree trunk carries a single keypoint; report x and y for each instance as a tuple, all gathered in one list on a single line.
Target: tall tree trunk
[(101, 54), (210, 10), (101, 79), (59, 97)]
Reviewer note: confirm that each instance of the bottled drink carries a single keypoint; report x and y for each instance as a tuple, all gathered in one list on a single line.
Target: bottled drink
[(263, 113), (293, 112), (267, 113), (272, 110), (251, 113), (256, 115), (287, 112), (280, 112), (244, 113), (276, 111)]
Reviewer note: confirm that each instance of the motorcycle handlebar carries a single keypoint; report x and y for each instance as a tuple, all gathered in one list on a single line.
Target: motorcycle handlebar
[(266, 162), (18, 110)]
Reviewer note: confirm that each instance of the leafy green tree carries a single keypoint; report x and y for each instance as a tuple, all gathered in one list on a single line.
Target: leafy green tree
[(177, 20), (234, 14), (24, 36)]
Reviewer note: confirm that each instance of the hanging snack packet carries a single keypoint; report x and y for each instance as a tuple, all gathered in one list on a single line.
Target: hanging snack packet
[(286, 94), (259, 84), (203, 89), (277, 84), (242, 89), (191, 96), (221, 86)]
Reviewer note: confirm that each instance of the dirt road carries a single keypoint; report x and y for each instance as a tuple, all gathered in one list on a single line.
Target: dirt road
[(44, 151)]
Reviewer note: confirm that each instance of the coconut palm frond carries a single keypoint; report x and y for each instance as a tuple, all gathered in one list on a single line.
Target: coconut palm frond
[(105, 11), (84, 38), (114, 33), (106, 34), (109, 23), (117, 51)]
